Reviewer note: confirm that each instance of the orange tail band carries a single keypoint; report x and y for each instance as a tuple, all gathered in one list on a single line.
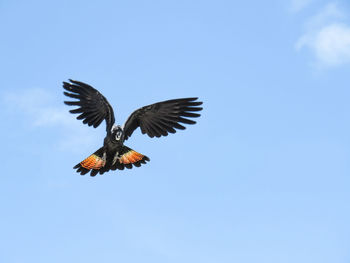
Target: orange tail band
[(131, 157), (93, 162)]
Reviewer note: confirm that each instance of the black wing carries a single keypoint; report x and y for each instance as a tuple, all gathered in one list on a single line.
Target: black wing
[(162, 118), (93, 106)]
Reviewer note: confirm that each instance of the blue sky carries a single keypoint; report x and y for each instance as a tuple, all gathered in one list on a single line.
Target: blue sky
[(262, 177)]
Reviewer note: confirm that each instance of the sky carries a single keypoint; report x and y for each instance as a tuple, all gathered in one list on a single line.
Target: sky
[(262, 177)]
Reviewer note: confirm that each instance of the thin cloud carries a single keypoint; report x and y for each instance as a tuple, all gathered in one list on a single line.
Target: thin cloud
[(326, 15), (327, 36), (330, 45), (35, 106), (298, 5)]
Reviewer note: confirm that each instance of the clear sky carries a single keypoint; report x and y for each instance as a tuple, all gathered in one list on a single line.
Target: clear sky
[(264, 175)]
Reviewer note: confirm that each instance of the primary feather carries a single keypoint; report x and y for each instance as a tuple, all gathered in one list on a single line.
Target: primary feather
[(93, 106)]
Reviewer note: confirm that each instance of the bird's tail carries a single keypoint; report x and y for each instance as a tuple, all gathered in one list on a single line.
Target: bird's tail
[(94, 162)]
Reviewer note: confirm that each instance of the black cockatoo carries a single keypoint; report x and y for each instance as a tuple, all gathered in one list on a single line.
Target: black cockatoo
[(155, 120)]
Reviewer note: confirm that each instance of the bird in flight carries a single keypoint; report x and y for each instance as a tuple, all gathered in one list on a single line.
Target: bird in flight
[(155, 120)]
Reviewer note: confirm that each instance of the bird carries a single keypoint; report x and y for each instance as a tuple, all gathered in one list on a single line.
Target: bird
[(155, 120)]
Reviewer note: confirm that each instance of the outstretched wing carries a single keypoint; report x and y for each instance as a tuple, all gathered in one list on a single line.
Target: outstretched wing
[(93, 106), (162, 118)]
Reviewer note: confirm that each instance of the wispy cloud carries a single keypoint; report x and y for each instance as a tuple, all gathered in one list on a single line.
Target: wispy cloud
[(327, 36), (331, 44), (35, 105), (298, 5)]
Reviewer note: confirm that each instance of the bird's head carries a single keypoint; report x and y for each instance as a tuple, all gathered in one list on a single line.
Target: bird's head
[(117, 132)]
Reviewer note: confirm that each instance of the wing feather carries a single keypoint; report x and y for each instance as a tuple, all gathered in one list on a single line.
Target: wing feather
[(160, 119), (93, 107)]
